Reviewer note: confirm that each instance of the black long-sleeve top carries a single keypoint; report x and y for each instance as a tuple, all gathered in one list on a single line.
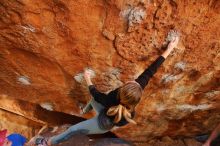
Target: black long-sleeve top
[(110, 99)]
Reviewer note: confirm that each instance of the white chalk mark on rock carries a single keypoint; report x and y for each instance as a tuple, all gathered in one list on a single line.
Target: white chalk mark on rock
[(180, 65), (113, 75), (24, 80), (125, 13), (28, 28), (133, 15), (169, 78), (212, 93), (191, 108), (47, 105), (79, 77)]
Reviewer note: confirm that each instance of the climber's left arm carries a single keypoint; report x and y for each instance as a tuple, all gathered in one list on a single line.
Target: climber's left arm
[(98, 96)]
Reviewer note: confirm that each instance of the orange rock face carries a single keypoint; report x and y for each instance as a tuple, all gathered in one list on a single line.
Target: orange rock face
[(46, 44)]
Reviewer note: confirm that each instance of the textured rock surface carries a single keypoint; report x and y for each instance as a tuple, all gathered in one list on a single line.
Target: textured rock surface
[(46, 44), (17, 124)]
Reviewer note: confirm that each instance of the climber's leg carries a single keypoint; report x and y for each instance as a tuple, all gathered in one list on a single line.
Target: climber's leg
[(86, 127)]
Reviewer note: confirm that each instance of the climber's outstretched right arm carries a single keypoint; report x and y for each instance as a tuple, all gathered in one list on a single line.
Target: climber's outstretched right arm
[(151, 70)]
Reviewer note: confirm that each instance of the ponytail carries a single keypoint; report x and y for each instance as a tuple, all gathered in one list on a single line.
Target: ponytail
[(119, 111), (129, 95)]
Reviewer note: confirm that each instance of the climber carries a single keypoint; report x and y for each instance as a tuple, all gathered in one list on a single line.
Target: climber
[(116, 108)]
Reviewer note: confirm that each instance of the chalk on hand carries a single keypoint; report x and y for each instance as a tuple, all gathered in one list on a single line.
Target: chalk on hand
[(172, 34), (92, 72), (79, 77)]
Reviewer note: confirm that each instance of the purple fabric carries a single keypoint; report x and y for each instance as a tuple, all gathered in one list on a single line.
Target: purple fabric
[(2, 136)]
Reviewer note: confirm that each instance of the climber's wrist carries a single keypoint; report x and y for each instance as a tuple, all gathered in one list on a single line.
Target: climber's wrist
[(167, 52), (170, 48)]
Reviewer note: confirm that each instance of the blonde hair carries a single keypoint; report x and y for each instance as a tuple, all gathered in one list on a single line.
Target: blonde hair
[(129, 95)]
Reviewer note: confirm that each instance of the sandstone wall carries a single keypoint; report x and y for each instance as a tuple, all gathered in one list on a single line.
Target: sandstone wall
[(46, 44)]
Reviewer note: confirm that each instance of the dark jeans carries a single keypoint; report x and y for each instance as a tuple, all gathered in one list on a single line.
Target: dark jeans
[(90, 126)]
